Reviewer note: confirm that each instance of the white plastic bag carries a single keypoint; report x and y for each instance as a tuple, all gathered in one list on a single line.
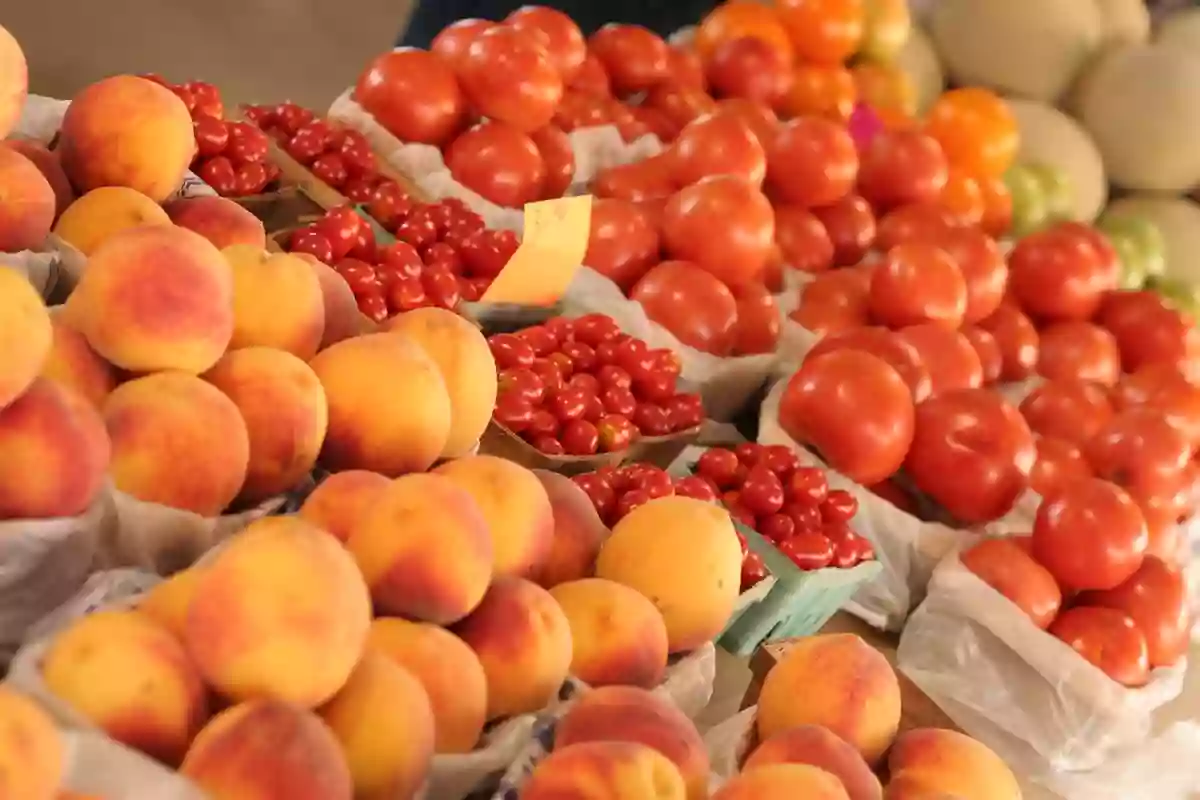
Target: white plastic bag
[(729, 743), (725, 384), (100, 767), (1051, 715)]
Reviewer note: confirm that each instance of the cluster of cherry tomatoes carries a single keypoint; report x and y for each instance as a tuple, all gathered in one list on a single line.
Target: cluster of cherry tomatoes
[(580, 386), (443, 255)]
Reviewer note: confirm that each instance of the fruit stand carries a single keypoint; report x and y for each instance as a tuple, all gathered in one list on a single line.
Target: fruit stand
[(463, 439)]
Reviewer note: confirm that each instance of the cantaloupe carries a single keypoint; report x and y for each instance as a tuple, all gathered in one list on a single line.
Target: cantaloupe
[(1049, 136), (1181, 31), (1178, 220), (919, 61), (1125, 21)]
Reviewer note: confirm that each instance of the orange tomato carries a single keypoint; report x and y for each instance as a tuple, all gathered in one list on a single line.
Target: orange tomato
[(976, 129), (834, 302), (885, 87), (1013, 573), (962, 197), (820, 91), (997, 205), (738, 19), (823, 31)]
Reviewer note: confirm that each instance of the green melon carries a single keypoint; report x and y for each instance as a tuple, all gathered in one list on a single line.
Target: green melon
[(1178, 220), (1049, 136)]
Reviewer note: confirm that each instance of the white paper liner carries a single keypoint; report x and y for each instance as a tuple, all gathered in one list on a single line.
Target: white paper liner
[(1050, 714)]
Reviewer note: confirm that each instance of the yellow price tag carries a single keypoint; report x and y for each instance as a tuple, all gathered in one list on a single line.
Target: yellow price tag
[(552, 248)]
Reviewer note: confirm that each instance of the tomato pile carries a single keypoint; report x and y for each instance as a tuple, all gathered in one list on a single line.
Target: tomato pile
[(580, 386)]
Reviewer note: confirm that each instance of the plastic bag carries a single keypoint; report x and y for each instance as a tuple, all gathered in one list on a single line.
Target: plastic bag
[(729, 743), (100, 767), (1051, 715)]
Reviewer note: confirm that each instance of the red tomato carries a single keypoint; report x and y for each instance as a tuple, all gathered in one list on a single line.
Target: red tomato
[(761, 492), (1018, 341), (854, 409), (947, 354), (1013, 573), (658, 123), (962, 198), (635, 58), (685, 70), (695, 307), (834, 301), (752, 68), (1109, 640), (983, 267), (454, 39), (498, 162), (885, 345), (1155, 598), (414, 95), (808, 550), (820, 91), (758, 116), (558, 35), (720, 466), (976, 129), (758, 320), (990, 359), (579, 438), (823, 31), (1138, 449), (1079, 350), (681, 106), (901, 167), (1090, 534), (212, 136), (1163, 388), (722, 224), (622, 244), (997, 205), (555, 149), (802, 239), (508, 77), (812, 162), (591, 79), (1068, 409), (918, 283), (850, 223), (914, 222), (736, 20), (513, 412), (1058, 463), (716, 144), (1055, 275), (971, 453), (218, 173), (1149, 332)]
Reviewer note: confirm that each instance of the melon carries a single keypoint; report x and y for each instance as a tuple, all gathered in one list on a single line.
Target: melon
[(1180, 31), (918, 60), (1049, 136), (1178, 220), (1125, 21)]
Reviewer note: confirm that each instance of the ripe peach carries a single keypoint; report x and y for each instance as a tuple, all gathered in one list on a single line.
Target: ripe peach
[(32, 755), (168, 602), (340, 501), (342, 317), (102, 213), (605, 771), (74, 364), (467, 367), (578, 532), (14, 82), (618, 635), (388, 407), (859, 699), (265, 749), (132, 678), (524, 644), (27, 204), (944, 761), (782, 780), (819, 747), (51, 168), (284, 407), (629, 714), (277, 302), (448, 669), (218, 219), (167, 420), (26, 335), (156, 298), (684, 555), (55, 451), (384, 722), (127, 131), (516, 507), (281, 612), (424, 550), (905, 789)]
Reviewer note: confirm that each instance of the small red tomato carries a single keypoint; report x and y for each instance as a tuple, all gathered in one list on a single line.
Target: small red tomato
[(569, 403), (839, 506), (619, 401), (563, 362), (654, 387), (406, 293), (513, 411), (311, 241), (580, 438), (365, 248), (211, 136), (749, 453), (762, 491), (331, 169), (389, 204), (247, 144), (778, 527), (540, 338), (628, 502), (592, 329), (696, 487), (340, 226), (510, 350), (617, 432), (780, 459), (420, 233), (373, 306), (583, 357), (845, 553), (402, 257), (593, 409), (251, 178), (442, 288), (754, 571), (740, 514), (808, 550), (549, 445), (652, 420), (359, 276), (543, 423), (808, 487), (524, 382), (612, 375), (586, 381), (218, 173), (686, 411), (720, 466), (598, 490), (550, 374), (807, 518)]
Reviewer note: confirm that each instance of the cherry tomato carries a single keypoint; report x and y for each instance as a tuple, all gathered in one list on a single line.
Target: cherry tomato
[(914, 222), (557, 33), (511, 351), (729, 21), (1090, 534), (218, 173), (972, 453), (855, 409), (834, 302), (331, 169), (508, 77), (807, 487), (1109, 640), (550, 446), (812, 162), (991, 361), (652, 420), (498, 162), (754, 571), (918, 283), (1079, 350), (1058, 463), (1155, 598), (902, 167), (716, 144), (947, 354), (635, 58), (598, 490), (580, 438), (340, 226), (312, 241), (212, 136), (719, 466), (722, 224), (373, 306), (696, 487), (415, 95), (513, 411), (617, 432), (758, 320), (389, 204), (359, 276), (850, 223), (839, 506), (885, 345), (695, 307), (762, 492), (752, 68), (1011, 571), (802, 239), (1054, 275), (820, 91), (750, 453), (592, 329), (808, 550), (1148, 332), (976, 129), (823, 31)]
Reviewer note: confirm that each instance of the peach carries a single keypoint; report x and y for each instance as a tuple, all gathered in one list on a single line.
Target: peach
[(102, 213), (782, 780), (618, 635), (281, 612), (467, 367), (26, 335), (388, 407), (14, 82), (74, 364), (55, 451), (906, 789), (604, 771), (51, 168), (516, 507), (130, 677), (32, 755), (264, 750), (168, 602), (523, 641), (629, 714), (936, 761), (578, 532), (819, 747), (177, 441), (155, 298), (27, 204), (127, 131), (283, 405), (424, 550), (342, 317), (277, 302), (684, 555), (384, 722), (340, 501), (448, 669), (859, 698), (218, 219)]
